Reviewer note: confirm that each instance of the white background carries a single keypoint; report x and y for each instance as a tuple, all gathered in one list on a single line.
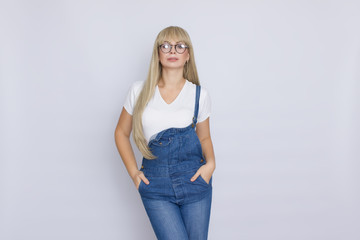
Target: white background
[(283, 77)]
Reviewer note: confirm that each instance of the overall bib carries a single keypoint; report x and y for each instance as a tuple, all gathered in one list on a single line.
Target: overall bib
[(177, 207)]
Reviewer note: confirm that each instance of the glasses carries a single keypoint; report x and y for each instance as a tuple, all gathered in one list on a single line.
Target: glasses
[(179, 48)]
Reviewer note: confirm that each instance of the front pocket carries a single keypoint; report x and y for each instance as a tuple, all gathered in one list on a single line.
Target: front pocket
[(203, 180), (162, 142), (141, 181)]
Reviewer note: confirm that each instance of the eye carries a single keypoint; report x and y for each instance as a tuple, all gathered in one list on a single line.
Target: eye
[(181, 46), (166, 45)]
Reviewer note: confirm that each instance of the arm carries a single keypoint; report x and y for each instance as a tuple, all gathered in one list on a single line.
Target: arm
[(203, 132), (122, 135)]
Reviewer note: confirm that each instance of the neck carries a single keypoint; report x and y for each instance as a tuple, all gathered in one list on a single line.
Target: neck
[(171, 78)]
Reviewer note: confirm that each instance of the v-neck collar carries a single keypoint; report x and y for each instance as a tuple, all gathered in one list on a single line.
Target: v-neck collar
[(177, 97)]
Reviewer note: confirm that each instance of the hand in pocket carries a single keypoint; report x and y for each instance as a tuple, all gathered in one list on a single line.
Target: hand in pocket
[(205, 172), (138, 177)]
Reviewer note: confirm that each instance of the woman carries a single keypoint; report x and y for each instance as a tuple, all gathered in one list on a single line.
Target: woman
[(169, 116)]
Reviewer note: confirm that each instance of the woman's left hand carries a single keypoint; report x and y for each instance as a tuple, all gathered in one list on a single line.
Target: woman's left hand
[(205, 171)]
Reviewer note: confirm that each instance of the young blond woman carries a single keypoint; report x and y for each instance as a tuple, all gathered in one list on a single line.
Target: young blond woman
[(169, 116)]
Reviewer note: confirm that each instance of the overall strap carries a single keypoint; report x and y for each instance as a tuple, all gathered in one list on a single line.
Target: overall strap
[(198, 88)]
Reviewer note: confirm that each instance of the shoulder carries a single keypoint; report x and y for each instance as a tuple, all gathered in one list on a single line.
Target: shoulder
[(137, 86), (135, 89), (204, 97), (132, 95), (203, 91), (205, 100)]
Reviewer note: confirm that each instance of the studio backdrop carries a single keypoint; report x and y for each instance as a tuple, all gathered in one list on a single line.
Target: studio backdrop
[(283, 77)]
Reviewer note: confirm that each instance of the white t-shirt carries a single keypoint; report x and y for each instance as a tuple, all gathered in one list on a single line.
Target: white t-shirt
[(158, 115)]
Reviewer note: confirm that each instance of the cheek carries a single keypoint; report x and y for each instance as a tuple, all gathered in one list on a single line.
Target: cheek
[(184, 59), (187, 56), (162, 57)]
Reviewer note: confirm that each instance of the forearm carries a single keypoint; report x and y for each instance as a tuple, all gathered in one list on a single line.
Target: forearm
[(126, 152)]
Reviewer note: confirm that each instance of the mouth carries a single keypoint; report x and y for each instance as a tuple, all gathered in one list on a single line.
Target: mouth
[(172, 59)]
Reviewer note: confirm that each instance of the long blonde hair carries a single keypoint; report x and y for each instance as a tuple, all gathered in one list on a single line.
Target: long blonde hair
[(154, 75)]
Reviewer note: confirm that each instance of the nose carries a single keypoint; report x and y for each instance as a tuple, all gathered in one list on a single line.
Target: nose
[(172, 49)]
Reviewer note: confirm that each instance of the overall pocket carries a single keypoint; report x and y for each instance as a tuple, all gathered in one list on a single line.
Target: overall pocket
[(202, 179), (199, 180), (141, 182), (162, 142), (160, 148)]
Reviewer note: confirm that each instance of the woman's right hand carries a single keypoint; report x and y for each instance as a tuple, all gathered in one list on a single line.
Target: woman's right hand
[(138, 177)]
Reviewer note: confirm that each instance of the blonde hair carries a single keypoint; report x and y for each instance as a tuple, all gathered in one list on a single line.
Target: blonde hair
[(154, 74)]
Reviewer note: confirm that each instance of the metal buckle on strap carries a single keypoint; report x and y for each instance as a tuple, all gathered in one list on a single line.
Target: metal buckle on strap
[(193, 123)]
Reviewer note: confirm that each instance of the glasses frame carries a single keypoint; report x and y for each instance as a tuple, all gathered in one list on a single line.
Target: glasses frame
[(171, 46)]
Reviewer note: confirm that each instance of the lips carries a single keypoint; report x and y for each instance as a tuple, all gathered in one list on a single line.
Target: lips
[(172, 59)]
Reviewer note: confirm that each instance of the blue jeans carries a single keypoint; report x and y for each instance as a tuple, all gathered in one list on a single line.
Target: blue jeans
[(178, 208), (179, 222)]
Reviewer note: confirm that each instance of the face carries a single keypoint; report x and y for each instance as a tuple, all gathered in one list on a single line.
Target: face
[(173, 59)]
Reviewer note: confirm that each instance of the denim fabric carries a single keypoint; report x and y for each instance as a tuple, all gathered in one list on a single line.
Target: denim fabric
[(177, 208)]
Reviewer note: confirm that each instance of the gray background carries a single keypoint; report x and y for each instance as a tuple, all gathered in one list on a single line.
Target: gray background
[(284, 81)]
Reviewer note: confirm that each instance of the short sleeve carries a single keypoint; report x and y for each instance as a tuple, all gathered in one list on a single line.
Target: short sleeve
[(204, 105), (132, 96)]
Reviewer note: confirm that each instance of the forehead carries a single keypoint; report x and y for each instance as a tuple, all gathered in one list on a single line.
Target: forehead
[(173, 41), (171, 38)]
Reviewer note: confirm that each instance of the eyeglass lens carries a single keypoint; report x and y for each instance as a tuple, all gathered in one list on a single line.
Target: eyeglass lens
[(179, 48)]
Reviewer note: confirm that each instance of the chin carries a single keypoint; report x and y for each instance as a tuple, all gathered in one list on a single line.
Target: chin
[(173, 67)]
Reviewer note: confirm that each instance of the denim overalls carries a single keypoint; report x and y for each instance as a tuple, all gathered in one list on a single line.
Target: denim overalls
[(179, 156)]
